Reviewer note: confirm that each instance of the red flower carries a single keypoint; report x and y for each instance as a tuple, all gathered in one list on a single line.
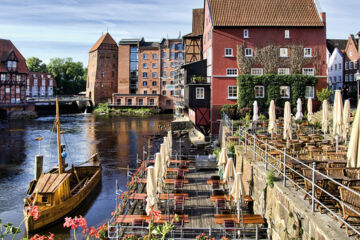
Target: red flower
[(155, 213), (70, 223), (34, 212), (38, 237), (93, 232), (82, 222)]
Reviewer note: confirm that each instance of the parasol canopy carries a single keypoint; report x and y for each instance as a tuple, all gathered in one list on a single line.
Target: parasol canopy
[(256, 112), (158, 172), (325, 116), (272, 118), (338, 114), (151, 200), (299, 115), (346, 119), (353, 154), (223, 157), (229, 170), (287, 122), (238, 188), (310, 113)]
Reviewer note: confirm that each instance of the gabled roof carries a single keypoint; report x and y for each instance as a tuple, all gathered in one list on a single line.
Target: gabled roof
[(340, 44), (106, 38), (287, 13), (6, 48), (49, 182)]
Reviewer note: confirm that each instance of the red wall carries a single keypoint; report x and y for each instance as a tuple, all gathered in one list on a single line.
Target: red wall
[(259, 37)]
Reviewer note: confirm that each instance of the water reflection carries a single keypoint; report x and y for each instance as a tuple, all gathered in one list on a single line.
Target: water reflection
[(118, 140)]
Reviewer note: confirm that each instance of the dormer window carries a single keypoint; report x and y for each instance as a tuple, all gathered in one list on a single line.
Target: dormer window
[(11, 65)]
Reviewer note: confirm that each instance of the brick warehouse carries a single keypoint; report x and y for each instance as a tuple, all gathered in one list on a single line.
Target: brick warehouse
[(228, 27), (136, 73)]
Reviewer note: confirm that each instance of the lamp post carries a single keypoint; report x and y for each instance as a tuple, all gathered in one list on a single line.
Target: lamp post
[(357, 82)]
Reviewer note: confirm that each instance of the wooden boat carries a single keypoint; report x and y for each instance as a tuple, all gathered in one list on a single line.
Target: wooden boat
[(58, 193)]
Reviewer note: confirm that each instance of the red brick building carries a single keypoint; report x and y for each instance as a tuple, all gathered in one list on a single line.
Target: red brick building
[(232, 38), (13, 75), (102, 70), (351, 67), (40, 85)]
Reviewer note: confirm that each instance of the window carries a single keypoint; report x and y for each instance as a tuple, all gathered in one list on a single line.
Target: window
[(200, 93), (43, 82), (354, 77), (3, 77), (171, 93), (330, 79), (164, 64), (257, 71), (154, 65), (346, 78), (118, 102), (35, 82), (140, 102), (164, 83), (351, 53), (145, 65), (172, 55), (308, 71), (307, 53), (346, 65), (154, 56), (164, 74), (102, 74), (355, 65), (152, 102), (164, 93), (172, 46), (179, 46), (164, 54), (172, 64), (145, 56), (287, 34), (154, 83), (246, 33), (339, 78), (309, 92), (145, 92), (335, 79), (168, 102), (284, 91), (339, 66), (232, 92), (231, 72), (145, 75), (179, 55), (351, 77), (283, 52), (248, 52), (18, 78), (129, 102), (7, 90), (351, 65), (17, 90), (228, 52), (331, 68), (11, 64), (145, 83), (335, 67), (44, 199), (154, 75), (154, 92), (259, 91), (283, 71), (172, 74)]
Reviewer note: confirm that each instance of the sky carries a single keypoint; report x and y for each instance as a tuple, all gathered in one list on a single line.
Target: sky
[(68, 28)]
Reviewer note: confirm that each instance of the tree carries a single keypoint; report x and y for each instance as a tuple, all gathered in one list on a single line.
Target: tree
[(69, 75), (35, 64)]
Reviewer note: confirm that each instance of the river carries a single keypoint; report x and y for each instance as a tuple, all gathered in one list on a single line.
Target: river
[(117, 140)]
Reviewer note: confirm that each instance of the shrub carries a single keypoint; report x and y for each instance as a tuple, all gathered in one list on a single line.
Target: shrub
[(324, 94), (230, 110), (270, 177), (245, 110)]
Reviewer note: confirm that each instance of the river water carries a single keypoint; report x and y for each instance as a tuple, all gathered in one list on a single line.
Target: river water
[(117, 140)]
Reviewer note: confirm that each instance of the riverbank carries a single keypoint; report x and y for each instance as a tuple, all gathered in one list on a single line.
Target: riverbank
[(104, 109)]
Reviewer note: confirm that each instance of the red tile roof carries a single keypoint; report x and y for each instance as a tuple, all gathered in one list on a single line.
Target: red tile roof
[(287, 13), (106, 38), (6, 47)]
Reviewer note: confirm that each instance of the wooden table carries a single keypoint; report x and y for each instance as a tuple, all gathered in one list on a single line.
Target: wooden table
[(248, 218), (209, 181), (213, 198), (176, 169), (163, 218), (163, 196), (167, 181), (174, 161)]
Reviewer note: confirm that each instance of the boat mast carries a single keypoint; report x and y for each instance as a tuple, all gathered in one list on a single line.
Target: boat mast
[(58, 136)]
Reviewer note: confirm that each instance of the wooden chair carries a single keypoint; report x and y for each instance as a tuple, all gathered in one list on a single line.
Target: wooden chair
[(215, 184), (179, 184), (179, 205), (220, 205), (229, 228), (353, 201)]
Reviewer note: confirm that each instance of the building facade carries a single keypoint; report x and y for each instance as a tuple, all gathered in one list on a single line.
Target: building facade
[(102, 70), (273, 39), (13, 76), (40, 85), (336, 70), (351, 63)]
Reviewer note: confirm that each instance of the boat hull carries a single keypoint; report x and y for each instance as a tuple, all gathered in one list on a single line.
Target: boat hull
[(55, 213)]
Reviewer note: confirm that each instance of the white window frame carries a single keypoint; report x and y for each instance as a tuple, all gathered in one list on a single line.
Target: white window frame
[(346, 78), (257, 71), (351, 77), (306, 71), (263, 91), (249, 52), (232, 72), (3, 77), (287, 90), (311, 90), (154, 65), (287, 34), (330, 79), (339, 66), (356, 65), (18, 78), (145, 65), (335, 79), (246, 33), (351, 65), (145, 75), (17, 90), (307, 52), (229, 52), (200, 93), (283, 71), (154, 75), (145, 56), (284, 52), (346, 65), (232, 89), (7, 90)]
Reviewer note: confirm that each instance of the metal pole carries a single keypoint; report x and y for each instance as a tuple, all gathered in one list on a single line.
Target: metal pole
[(284, 182), (254, 148), (313, 187), (266, 154), (257, 232)]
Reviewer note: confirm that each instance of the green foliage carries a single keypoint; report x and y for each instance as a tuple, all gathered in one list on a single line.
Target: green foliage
[(231, 110), (262, 117), (270, 178), (231, 146), (324, 94), (217, 152), (103, 108), (198, 79), (35, 64), (317, 125), (70, 76), (272, 83)]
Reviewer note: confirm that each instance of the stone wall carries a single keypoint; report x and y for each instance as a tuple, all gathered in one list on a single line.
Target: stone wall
[(288, 215)]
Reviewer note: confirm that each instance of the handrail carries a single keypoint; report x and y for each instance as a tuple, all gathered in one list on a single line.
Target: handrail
[(252, 143)]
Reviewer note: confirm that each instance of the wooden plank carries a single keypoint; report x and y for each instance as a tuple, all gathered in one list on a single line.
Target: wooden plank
[(163, 218), (248, 218), (167, 181), (209, 181), (213, 198), (163, 196)]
